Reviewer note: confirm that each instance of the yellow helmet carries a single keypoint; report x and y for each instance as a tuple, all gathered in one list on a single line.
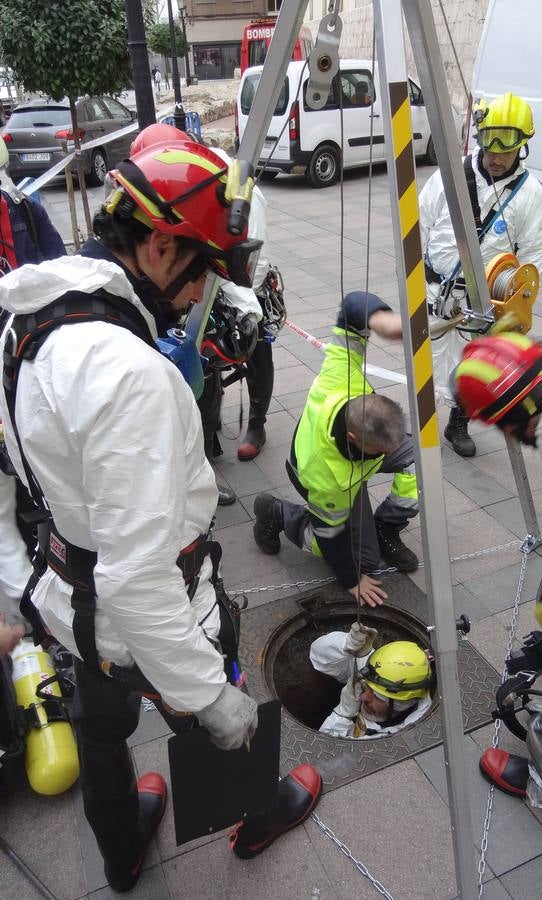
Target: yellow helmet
[(399, 670), (503, 125)]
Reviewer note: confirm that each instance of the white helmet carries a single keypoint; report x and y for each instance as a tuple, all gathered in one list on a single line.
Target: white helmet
[(4, 156)]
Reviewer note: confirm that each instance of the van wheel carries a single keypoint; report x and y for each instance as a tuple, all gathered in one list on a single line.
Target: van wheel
[(324, 167), (430, 155), (98, 169)]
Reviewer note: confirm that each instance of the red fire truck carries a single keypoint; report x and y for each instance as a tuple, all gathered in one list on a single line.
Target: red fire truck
[(257, 37)]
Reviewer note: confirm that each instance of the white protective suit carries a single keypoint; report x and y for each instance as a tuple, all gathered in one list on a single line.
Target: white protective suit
[(113, 435), (15, 567), (523, 217), (328, 655)]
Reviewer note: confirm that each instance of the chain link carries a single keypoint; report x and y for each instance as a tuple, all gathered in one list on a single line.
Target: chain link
[(362, 869), (390, 570), (525, 547)]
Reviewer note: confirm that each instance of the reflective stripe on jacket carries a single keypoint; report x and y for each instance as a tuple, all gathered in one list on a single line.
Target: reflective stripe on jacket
[(332, 482)]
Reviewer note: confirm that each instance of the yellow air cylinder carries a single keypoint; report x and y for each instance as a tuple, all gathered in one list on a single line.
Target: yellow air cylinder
[(51, 760)]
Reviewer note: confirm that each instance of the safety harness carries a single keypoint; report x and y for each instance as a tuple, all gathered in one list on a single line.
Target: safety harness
[(482, 225), (73, 564)]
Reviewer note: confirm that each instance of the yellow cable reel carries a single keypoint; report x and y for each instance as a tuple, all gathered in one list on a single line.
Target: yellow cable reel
[(513, 288)]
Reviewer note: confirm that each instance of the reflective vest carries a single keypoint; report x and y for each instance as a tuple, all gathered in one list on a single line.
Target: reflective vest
[(331, 481)]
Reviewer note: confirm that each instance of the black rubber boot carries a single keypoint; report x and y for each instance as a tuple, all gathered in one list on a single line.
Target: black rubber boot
[(457, 434), (393, 551), (225, 495), (152, 794), (508, 772), (253, 442), (269, 523), (299, 793)]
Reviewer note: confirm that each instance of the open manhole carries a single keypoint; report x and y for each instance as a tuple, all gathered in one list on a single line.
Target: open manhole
[(275, 640), (308, 695)]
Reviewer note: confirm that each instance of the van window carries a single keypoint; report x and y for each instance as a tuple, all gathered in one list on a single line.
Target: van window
[(357, 89), (415, 93), (257, 52), (249, 89)]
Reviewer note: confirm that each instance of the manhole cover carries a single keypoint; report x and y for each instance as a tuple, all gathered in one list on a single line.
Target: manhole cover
[(270, 664)]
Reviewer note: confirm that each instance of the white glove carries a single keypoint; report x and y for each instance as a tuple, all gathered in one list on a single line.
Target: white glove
[(360, 639), (231, 719), (349, 703)]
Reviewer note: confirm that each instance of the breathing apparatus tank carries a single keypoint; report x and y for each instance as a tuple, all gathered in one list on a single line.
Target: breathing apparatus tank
[(51, 760)]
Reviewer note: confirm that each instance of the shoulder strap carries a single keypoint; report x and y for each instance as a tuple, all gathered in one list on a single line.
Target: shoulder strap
[(25, 205), (512, 187), (28, 332), (473, 192)]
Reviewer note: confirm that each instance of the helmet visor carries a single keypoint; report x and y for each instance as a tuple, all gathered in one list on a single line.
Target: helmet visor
[(238, 264), (500, 140)]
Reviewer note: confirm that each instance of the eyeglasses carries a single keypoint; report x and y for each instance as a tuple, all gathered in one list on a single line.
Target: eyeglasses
[(504, 139)]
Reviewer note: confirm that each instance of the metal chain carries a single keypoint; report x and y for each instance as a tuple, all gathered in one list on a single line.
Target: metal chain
[(389, 571), (526, 548), (362, 869)]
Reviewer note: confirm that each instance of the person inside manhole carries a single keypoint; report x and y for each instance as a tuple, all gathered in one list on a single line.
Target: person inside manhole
[(384, 689), (347, 433)]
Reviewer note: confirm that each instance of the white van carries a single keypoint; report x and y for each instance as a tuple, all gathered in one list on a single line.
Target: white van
[(509, 59), (309, 141)]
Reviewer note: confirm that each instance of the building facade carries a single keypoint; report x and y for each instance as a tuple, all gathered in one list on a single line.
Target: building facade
[(214, 29)]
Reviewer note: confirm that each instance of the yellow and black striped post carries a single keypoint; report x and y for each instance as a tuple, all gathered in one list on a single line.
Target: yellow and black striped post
[(419, 368), (409, 220)]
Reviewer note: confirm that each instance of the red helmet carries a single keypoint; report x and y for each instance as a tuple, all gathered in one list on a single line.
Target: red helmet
[(158, 133), (497, 377), (178, 188)]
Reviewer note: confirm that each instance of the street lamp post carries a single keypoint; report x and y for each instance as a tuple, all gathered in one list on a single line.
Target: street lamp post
[(179, 116), (182, 13)]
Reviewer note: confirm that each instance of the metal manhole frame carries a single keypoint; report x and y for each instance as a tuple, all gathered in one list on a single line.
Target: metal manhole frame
[(342, 760)]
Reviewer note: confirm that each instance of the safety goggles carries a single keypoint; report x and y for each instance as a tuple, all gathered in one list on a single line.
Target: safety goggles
[(501, 140), (370, 677), (238, 264)]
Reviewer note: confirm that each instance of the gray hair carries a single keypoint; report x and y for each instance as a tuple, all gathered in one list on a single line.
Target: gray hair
[(376, 421)]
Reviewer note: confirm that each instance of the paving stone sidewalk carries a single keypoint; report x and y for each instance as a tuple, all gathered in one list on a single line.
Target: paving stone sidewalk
[(396, 821)]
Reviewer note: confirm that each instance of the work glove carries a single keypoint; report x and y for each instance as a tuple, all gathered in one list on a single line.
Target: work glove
[(350, 700), (231, 719), (360, 639)]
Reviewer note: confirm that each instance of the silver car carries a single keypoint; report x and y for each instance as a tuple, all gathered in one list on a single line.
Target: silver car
[(34, 133)]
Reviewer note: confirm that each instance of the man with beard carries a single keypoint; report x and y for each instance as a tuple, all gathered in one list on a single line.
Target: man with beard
[(384, 689)]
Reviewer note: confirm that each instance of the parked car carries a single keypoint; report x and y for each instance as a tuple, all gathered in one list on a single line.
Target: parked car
[(35, 131), (303, 140)]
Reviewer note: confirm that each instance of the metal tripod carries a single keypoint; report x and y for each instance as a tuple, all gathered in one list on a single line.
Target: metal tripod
[(401, 171)]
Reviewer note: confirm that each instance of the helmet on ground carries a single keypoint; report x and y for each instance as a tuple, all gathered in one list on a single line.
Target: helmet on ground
[(177, 188), (157, 133), (224, 343), (4, 155), (503, 125), (499, 379), (399, 670)]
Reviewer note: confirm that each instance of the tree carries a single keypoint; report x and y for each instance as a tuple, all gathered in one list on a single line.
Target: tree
[(66, 49), (159, 39)]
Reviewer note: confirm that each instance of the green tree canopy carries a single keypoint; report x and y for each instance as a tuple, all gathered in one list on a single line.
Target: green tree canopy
[(159, 39), (65, 48)]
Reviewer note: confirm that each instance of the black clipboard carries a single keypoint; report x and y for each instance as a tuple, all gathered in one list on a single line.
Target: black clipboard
[(213, 789)]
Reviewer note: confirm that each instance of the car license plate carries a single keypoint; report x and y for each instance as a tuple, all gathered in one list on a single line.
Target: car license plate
[(35, 157)]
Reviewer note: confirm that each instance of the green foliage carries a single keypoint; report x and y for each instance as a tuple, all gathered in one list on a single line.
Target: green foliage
[(65, 47), (159, 40), (150, 13)]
